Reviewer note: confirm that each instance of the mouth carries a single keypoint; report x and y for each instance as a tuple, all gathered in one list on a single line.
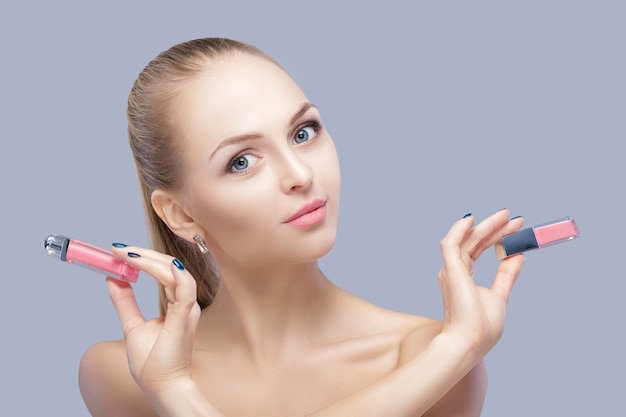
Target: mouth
[(309, 214)]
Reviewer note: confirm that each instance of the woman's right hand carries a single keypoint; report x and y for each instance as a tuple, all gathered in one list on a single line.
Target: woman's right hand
[(475, 315), (473, 322)]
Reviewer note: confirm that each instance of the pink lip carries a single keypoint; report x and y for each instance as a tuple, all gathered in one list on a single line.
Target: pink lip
[(309, 214)]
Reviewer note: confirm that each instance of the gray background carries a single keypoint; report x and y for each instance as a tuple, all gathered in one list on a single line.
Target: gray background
[(437, 108)]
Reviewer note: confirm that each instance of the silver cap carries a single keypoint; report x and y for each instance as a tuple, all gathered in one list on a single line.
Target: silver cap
[(56, 245)]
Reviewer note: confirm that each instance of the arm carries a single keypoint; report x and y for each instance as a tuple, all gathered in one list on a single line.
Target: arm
[(412, 389), (466, 398), (159, 350), (473, 323)]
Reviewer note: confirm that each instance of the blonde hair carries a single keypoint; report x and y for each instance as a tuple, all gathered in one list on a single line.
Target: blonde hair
[(153, 138)]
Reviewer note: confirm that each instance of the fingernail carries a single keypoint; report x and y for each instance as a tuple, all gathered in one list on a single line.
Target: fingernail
[(134, 255), (119, 245), (516, 217), (467, 215), (178, 264)]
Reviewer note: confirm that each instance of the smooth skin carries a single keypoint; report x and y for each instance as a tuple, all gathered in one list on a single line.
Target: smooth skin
[(280, 339)]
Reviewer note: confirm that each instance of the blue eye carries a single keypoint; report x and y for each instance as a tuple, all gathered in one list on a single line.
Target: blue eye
[(304, 134), (240, 163), (243, 163)]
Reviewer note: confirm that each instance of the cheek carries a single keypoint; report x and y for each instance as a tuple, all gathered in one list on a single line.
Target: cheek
[(239, 217), (330, 169), (234, 217)]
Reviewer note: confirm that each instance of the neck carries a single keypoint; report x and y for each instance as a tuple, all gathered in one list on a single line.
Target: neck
[(269, 313)]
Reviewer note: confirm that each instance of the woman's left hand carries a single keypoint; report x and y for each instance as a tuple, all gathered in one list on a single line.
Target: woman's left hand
[(159, 350)]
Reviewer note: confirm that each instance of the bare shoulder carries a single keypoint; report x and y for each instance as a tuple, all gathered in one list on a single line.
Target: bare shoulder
[(106, 385), (407, 334), (413, 333), (467, 397), (419, 332)]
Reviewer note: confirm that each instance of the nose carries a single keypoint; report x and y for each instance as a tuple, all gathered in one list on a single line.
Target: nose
[(294, 172)]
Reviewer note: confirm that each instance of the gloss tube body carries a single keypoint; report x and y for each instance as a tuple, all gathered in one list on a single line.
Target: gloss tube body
[(89, 256), (536, 237)]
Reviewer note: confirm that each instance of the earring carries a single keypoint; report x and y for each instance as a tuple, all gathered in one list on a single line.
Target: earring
[(201, 244)]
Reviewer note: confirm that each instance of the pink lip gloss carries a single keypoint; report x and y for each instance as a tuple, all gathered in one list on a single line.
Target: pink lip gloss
[(536, 237), (89, 256)]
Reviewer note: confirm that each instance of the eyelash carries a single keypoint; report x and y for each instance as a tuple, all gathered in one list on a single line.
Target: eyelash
[(232, 171), (314, 124)]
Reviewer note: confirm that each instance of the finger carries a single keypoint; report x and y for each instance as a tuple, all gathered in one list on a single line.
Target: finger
[(183, 313), (123, 298), (156, 264), (476, 237), (506, 276), (511, 226), (451, 248), (489, 231)]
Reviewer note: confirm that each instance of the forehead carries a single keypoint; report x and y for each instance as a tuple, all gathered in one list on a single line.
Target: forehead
[(236, 95)]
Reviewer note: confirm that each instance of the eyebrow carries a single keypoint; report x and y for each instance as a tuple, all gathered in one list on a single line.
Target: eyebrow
[(233, 140), (305, 107)]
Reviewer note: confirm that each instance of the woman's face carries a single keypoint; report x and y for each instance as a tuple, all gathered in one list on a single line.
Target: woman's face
[(256, 155)]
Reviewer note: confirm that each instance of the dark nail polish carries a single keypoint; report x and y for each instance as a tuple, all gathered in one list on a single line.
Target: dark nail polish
[(178, 264), (467, 215), (515, 217), (119, 245), (134, 255)]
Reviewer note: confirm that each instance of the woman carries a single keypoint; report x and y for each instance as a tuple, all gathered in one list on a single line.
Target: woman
[(241, 186)]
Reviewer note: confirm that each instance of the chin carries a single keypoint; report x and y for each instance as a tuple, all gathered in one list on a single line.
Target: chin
[(311, 249), (322, 246), (324, 249)]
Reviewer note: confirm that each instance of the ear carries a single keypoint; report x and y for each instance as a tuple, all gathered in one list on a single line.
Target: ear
[(171, 210)]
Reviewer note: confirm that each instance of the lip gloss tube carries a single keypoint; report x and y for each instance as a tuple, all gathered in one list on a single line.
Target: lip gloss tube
[(536, 237), (90, 257)]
